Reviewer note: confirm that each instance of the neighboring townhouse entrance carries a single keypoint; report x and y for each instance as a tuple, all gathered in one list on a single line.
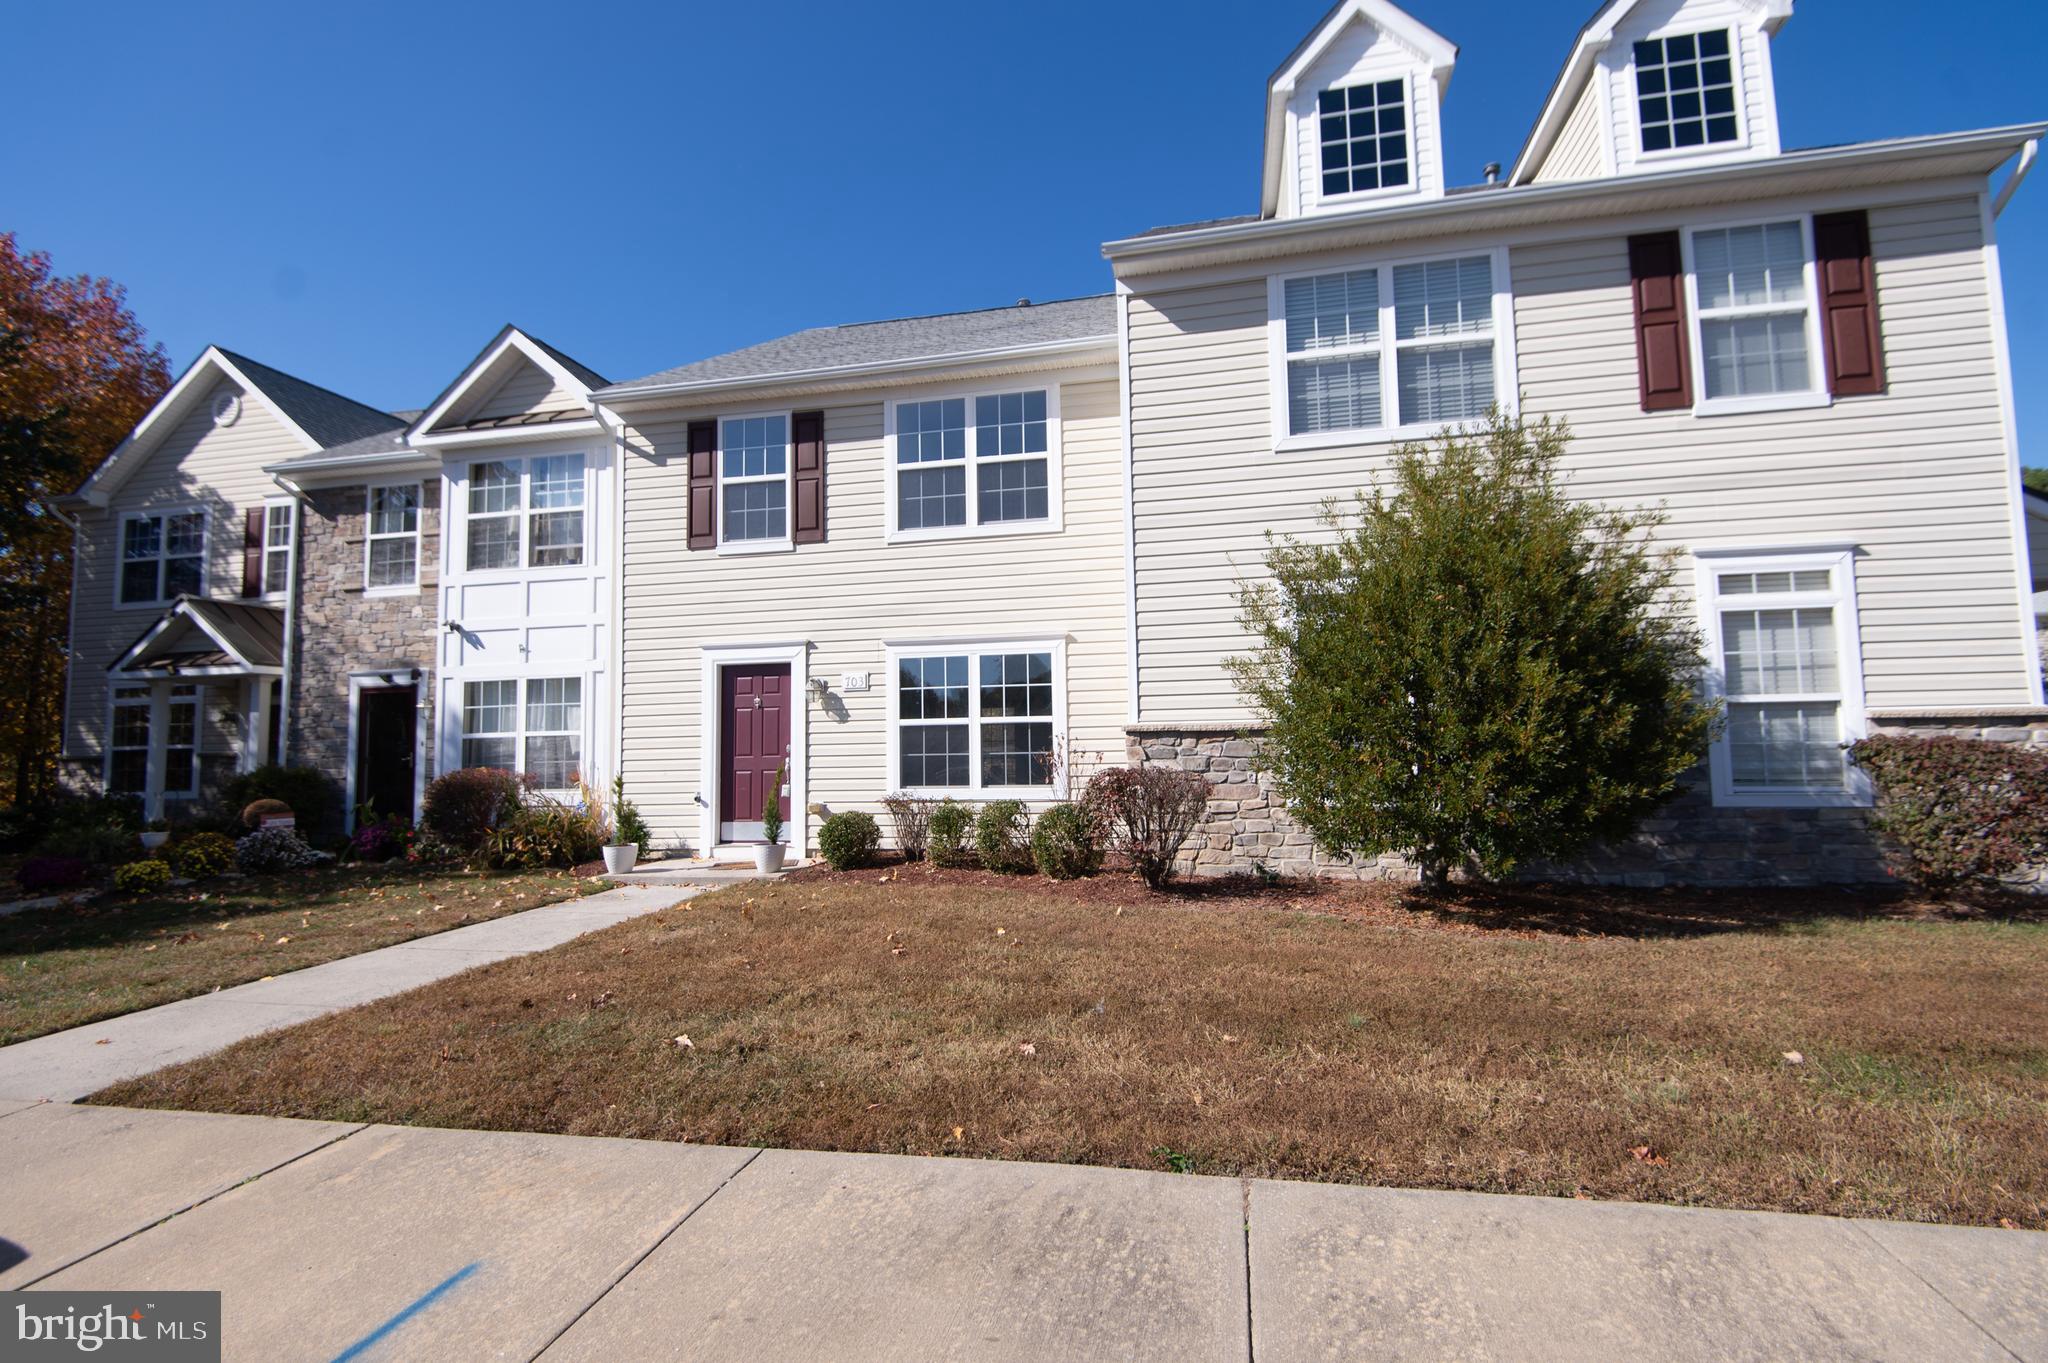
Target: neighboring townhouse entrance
[(753, 714), (387, 741)]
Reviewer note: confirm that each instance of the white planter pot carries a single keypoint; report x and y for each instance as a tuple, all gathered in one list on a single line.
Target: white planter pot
[(619, 857), (768, 857), (152, 841)]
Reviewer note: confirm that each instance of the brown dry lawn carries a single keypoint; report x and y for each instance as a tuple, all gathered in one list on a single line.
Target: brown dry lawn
[(1568, 1043), (73, 964)]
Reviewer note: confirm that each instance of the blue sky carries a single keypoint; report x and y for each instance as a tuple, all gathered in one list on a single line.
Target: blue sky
[(362, 194)]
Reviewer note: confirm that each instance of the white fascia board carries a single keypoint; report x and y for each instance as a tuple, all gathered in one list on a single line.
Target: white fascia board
[(503, 435), (331, 471), (513, 338)]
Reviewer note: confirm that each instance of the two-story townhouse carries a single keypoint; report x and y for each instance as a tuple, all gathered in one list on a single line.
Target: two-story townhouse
[(1800, 355), (887, 555)]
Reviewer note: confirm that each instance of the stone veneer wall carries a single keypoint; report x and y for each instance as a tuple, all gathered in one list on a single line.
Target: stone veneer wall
[(338, 629), (1687, 842)]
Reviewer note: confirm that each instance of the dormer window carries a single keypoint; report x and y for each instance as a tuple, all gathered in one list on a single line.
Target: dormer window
[(1364, 130), (1685, 91)]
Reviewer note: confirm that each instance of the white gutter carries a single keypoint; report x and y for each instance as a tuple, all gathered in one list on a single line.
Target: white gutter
[(2028, 153)]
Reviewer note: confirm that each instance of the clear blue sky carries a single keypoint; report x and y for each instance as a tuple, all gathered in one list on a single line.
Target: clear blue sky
[(361, 194)]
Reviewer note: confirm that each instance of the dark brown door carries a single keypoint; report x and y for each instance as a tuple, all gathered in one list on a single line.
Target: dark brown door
[(754, 733), (386, 738)]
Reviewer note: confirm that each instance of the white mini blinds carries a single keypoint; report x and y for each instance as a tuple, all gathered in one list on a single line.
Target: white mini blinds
[(1440, 364), (999, 443), (1755, 310)]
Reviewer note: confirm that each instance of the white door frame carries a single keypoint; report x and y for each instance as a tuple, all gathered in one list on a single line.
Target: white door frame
[(715, 657), (419, 678)]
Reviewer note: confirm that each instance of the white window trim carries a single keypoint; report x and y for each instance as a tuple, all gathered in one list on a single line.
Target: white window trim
[(1818, 395), (290, 549), (1311, 126), (197, 700), (456, 495), (894, 651), (371, 536), (1505, 389), (1708, 564), (787, 542), (459, 706), (1736, 38), (1055, 498), (710, 752), (116, 702), (422, 737), (164, 512)]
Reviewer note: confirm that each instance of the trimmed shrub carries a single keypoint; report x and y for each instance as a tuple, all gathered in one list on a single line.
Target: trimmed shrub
[(51, 875), (315, 802), (277, 849), (912, 819), (462, 807), (951, 823), (627, 825), (142, 877), (1002, 836), (1147, 814), (95, 844), (256, 811), (380, 841), (545, 832), (201, 855), (1065, 843), (849, 839), (1956, 810)]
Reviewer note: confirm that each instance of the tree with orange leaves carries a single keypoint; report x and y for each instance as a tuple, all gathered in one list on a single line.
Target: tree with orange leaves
[(76, 375)]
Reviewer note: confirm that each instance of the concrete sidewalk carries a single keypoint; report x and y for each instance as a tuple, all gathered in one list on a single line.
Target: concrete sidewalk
[(71, 1064), (377, 1242)]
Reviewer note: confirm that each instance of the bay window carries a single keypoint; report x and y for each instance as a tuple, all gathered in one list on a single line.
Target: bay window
[(981, 461), (163, 556), (977, 721)]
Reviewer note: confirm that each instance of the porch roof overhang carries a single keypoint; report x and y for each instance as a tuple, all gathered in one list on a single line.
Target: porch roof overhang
[(198, 637)]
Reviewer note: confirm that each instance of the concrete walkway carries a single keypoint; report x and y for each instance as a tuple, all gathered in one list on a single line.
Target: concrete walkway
[(71, 1064), (334, 1241)]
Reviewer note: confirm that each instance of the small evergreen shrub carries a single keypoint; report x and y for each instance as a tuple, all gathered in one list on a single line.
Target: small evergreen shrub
[(1148, 814), (142, 877), (544, 832), (911, 817), (462, 807), (256, 811), (627, 825), (201, 856), (1956, 810), (51, 875), (314, 799), (277, 849), (1065, 844), (951, 823), (1002, 836), (849, 839)]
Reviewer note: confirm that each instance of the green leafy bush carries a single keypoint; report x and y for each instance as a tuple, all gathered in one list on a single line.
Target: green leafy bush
[(544, 832), (1002, 836), (1147, 814), (1065, 843), (1956, 810), (269, 850), (627, 825), (142, 877), (314, 800), (951, 823), (95, 844), (462, 807), (202, 855), (849, 839), (1474, 669), (911, 817)]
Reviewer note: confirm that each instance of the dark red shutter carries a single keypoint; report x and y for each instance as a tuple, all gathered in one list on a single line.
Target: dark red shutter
[(703, 508), (1848, 304), (252, 552), (1656, 269), (807, 434)]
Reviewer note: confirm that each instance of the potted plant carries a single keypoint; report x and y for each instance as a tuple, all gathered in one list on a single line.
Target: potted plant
[(629, 832), (768, 854), (155, 834)]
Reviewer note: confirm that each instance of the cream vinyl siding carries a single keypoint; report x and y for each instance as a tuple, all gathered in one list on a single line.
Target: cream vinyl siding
[(852, 594), (528, 388), (1916, 477), (1577, 154), (196, 464)]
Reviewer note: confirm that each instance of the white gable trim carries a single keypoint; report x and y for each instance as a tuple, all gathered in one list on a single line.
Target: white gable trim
[(116, 468), (513, 339), (183, 609)]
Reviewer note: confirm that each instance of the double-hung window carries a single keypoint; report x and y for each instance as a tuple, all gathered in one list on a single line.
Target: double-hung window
[(976, 462), (280, 515), (538, 733), (393, 537), (1685, 91), (1412, 345), (525, 512), (981, 720), (181, 742), (554, 500), (128, 742), (1758, 330), (493, 518), (753, 467), (1785, 662), (163, 555)]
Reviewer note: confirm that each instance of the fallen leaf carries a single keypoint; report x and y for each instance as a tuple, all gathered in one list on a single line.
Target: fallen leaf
[(107, 1040), (1198, 1098), (2004, 1222), (683, 1043), (1001, 931), (959, 1133), (1646, 1155), (282, 940), (1794, 1058), (1026, 1048), (1228, 1037)]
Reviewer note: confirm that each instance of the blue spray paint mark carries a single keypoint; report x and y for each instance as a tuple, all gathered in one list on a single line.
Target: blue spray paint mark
[(432, 1295)]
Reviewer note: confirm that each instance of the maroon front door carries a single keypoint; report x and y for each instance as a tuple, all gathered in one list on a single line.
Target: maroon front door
[(754, 734)]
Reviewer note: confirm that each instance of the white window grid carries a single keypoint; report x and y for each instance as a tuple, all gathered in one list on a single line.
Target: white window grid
[(181, 743), (531, 726), (128, 741), (1364, 138), (754, 461), (1001, 448), (174, 541), (391, 537), (1021, 700), (280, 519), (1687, 83), (525, 513), (1804, 307)]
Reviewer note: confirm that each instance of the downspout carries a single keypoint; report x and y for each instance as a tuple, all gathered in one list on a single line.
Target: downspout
[(2028, 154), (291, 616)]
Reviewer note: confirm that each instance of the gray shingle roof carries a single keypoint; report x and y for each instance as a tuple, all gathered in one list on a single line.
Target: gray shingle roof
[(905, 338), (327, 416), (590, 377)]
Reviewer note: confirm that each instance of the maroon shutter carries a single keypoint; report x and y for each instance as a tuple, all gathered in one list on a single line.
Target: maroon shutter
[(252, 552), (703, 509), (807, 434), (1848, 304), (1663, 355)]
